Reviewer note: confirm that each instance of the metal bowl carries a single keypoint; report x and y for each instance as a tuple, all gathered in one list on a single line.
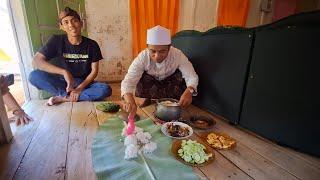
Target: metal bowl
[(166, 111)]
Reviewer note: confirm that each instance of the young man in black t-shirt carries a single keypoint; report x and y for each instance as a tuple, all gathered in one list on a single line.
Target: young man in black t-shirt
[(79, 56)]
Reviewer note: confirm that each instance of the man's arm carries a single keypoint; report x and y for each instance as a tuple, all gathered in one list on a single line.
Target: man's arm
[(190, 77), (130, 82), (93, 74), (130, 104), (21, 117), (134, 74), (188, 72), (40, 61), (47, 52), (74, 95), (11, 103)]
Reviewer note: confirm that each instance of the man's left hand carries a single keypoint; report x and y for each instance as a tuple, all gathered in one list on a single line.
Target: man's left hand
[(185, 99), (75, 94), (21, 117)]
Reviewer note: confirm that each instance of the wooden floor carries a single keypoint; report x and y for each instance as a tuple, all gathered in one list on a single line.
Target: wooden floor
[(57, 145)]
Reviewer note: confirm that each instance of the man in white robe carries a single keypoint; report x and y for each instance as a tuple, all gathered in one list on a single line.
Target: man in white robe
[(159, 71)]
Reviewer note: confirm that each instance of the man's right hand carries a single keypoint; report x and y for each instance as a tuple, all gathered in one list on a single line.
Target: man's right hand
[(70, 81), (130, 105)]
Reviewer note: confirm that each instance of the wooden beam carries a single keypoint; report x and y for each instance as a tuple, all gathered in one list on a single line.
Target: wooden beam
[(5, 130), (269, 156), (46, 155), (83, 127), (11, 154)]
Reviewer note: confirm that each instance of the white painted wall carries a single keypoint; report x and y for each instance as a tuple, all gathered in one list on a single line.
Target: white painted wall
[(198, 15), (108, 23)]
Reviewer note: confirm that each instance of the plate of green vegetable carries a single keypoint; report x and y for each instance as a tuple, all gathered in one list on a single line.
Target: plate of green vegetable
[(108, 106), (192, 153)]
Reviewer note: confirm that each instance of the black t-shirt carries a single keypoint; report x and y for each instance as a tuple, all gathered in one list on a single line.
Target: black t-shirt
[(76, 59)]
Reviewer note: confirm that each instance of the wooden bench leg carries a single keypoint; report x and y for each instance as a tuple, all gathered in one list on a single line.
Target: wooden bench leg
[(5, 130)]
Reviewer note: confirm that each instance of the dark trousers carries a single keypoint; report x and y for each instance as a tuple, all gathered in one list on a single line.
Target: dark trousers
[(170, 87)]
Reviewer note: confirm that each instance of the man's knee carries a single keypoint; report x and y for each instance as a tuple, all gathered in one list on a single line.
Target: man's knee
[(103, 90), (35, 76)]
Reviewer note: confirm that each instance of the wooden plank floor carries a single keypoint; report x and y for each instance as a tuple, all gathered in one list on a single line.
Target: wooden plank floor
[(57, 145)]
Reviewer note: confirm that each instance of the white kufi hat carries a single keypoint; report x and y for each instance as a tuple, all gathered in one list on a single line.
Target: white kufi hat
[(158, 35)]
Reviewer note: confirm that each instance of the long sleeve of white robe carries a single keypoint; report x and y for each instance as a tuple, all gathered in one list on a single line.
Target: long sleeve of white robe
[(175, 60)]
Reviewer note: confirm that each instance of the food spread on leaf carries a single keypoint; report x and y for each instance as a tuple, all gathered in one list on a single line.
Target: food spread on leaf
[(137, 142), (220, 141), (108, 107), (193, 152)]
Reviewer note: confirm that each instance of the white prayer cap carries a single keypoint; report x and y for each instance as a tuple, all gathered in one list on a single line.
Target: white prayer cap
[(158, 35)]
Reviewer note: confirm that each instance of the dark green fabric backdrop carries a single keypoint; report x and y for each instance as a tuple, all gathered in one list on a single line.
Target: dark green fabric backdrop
[(265, 79), (220, 59)]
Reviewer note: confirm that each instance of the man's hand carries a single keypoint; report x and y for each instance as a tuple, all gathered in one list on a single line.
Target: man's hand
[(185, 99), (21, 117), (75, 94), (69, 79), (130, 105)]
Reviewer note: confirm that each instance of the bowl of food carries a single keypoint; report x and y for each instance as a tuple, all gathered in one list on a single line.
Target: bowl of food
[(177, 130), (202, 122), (192, 153), (168, 109)]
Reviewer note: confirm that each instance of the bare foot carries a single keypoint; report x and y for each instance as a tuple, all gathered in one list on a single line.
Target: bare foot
[(56, 100)]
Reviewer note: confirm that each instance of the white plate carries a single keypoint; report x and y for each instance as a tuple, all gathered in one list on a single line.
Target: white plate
[(164, 129)]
